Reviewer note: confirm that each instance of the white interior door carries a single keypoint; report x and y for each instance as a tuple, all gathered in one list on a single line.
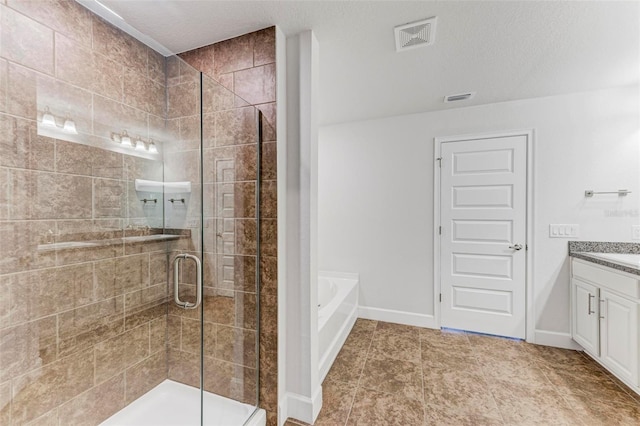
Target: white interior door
[(483, 238)]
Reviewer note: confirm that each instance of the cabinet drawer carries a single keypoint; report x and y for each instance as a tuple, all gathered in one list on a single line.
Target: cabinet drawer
[(606, 277)]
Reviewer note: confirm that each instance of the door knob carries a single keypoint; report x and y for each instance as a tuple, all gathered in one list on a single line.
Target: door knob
[(516, 247)]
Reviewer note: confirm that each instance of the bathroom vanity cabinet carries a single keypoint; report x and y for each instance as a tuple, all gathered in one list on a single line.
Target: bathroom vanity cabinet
[(605, 303)]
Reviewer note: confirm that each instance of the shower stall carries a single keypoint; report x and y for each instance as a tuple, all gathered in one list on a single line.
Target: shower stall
[(130, 216)]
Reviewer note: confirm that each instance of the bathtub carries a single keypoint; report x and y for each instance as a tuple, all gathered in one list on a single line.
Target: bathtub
[(337, 312)]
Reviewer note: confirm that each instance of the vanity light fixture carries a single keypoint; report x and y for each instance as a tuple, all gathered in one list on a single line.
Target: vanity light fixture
[(49, 120), (137, 143)]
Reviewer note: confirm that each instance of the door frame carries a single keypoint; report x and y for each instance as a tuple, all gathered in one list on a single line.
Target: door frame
[(529, 221)]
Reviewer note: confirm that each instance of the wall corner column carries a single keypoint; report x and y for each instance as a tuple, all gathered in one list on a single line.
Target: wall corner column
[(302, 391)]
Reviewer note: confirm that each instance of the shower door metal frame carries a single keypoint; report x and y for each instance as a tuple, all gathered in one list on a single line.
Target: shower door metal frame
[(258, 247)]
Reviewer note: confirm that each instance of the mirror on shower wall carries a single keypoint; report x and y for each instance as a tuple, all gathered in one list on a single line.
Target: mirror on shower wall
[(105, 144)]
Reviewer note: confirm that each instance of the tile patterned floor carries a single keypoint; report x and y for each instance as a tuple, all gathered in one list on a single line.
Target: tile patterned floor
[(389, 374)]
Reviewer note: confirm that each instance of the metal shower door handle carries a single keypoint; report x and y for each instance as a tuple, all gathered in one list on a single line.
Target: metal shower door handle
[(177, 261)]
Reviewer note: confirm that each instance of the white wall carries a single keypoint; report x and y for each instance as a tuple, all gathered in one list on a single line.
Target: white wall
[(376, 192), (298, 276)]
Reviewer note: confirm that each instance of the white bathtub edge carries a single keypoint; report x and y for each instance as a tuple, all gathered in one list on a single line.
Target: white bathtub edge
[(397, 317), (338, 341)]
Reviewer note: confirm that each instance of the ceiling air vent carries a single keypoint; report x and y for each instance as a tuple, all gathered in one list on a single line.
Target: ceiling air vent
[(459, 97), (416, 34)]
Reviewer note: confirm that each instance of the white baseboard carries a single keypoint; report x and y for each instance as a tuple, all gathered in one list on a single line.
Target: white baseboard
[(283, 409), (316, 404), (398, 317), (300, 407), (555, 339)]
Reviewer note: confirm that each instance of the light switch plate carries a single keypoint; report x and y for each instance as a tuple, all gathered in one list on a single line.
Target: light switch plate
[(563, 230), (635, 232)]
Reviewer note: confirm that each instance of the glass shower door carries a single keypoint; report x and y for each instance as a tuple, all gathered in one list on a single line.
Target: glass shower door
[(231, 159), (127, 221), (183, 215), (212, 317)]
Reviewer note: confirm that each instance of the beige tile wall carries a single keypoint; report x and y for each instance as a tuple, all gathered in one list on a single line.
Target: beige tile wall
[(246, 67), (89, 327), (82, 331)]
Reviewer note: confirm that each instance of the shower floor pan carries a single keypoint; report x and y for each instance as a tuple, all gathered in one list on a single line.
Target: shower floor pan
[(174, 404)]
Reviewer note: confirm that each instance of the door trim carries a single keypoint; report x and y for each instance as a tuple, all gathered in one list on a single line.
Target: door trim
[(437, 150)]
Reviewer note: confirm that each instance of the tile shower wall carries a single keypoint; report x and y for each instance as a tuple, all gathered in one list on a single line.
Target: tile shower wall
[(246, 67), (82, 331)]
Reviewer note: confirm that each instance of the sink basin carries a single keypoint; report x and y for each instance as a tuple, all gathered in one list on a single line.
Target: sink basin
[(632, 260), (66, 245), (155, 237)]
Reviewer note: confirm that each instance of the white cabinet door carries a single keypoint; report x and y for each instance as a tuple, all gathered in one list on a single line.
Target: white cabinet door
[(585, 316), (619, 335)]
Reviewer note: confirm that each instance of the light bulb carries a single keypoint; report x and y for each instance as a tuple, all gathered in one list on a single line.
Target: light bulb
[(48, 119), (152, 148), (140, 145), (70, 126), (125, 140)]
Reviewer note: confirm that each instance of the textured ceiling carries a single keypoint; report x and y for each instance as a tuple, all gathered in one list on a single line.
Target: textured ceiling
[(502, 50)]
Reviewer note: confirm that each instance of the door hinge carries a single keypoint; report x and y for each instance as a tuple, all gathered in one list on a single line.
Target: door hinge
[(440, 297), (439, 230), (439, 160)]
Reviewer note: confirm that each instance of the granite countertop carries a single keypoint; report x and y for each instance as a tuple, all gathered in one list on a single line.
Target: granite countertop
[(596, 252)]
